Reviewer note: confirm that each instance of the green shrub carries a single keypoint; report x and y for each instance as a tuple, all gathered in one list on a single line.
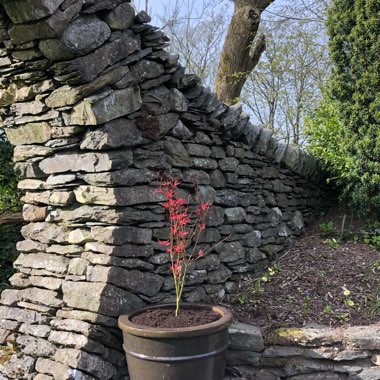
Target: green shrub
[(345, 129)]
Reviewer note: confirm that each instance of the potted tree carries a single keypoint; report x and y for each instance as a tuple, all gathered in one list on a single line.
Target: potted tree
[(178, 341)]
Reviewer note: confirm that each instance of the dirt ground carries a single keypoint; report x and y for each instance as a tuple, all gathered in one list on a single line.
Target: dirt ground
[(320, 280)]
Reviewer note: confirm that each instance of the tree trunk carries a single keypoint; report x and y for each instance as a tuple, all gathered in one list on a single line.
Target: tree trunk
[(11, 218), (240, 54)]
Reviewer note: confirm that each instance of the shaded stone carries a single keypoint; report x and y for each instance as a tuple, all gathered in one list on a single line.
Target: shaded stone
[(127, 250), (87, 68), (85, 34), (122, 235), (101, 298), (221, 275), (105, 107), (114, 134), (245, 337), (177, 155), (180, 131), (68, 95), (121, 17), (134, 281), (142, 17), (52, 26), (235, 214), (22, 11), (145, 69), (55, 50), (58, 370), (229, 252), (125, 177)]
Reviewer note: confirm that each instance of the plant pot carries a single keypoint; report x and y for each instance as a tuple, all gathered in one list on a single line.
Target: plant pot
[(189, 353)]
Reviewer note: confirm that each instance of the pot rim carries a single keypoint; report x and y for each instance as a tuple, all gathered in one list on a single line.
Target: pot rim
[(126, 325)]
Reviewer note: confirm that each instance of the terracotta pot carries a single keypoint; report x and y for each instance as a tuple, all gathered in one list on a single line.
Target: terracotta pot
[(191, 353)]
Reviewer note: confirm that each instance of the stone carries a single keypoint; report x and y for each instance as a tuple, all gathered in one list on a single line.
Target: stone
[(126, 250), (22, 11), (55, 50), (85, 34), (32, 133), (52, 26), (82, 360), (114, 134), (105, 56), (40, 296), (30, 108), (204, 163), (68, 95), (33, 213), (252, 239), (122, 235), (124, 177), (86, 162), (45, 233), (220, 275), (297, 221), (234, 214), (53, 263), (363, 337), (18, 367), (177, 155), (178, 101), (35, 346), (134, 281), (50, 283), (59, 371), (30, 246), (145, 69), (121, 17), (100, 109), (101, 298), (80, 236), (181, 132), (142, 17), (230, 252), (118, 196), (245, 337)]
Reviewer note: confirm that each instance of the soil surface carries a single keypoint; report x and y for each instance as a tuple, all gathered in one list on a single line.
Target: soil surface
[(165, 318), (319, 280)]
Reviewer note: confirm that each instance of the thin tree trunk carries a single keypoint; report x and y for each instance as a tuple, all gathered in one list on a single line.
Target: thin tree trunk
[(11, 218), (240, 53)]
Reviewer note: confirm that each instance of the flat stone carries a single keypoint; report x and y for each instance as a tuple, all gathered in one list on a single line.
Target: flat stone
[(363, 337), (54, 50), (122, 235), (41, 296), (121, 17), (230, 252), (219, 276), (59, 371), (32, 133), (101, 298), (98, 110), (24, 152), (245, 337), (82, 360), (146, 69), (114, 134), (134, 281), (22, 11), (35, 346), (118, 196), (50, 283), (85, 34), (124, 177), (45, 233), (127, 250), (30, 246), (93, 64), (53, 263), (52, 26), (86, 162), (40, 331), (18, 367)]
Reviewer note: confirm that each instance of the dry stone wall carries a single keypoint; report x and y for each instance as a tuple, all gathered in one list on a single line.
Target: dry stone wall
[(314, 352), (96, 109)]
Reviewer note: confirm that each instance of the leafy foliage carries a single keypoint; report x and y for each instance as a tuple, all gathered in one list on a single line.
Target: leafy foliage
[(9, 195), (344, 130)]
